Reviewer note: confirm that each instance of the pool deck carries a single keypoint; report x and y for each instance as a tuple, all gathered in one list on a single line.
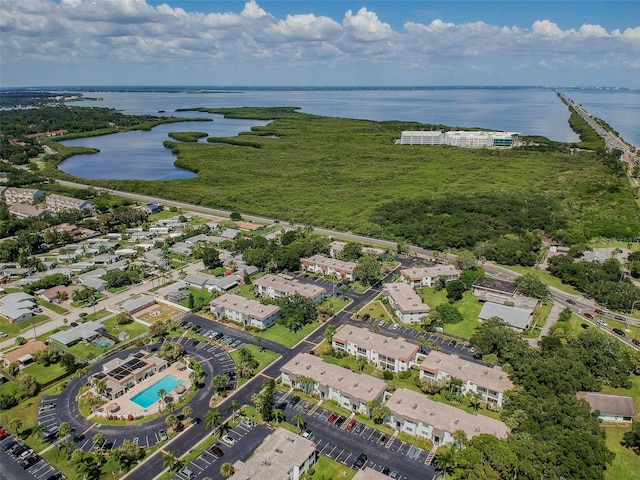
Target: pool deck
[(128, 407)]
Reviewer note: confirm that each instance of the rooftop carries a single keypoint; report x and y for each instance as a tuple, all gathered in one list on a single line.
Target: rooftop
[(364, 338), (496, 285), (608, 404), (275, 456), (333, 263), (405, 298), (514, 316), (251, 308), (416, 406), (418, 273), (289, 285), (26, 349), (357, 386), (493, 378)]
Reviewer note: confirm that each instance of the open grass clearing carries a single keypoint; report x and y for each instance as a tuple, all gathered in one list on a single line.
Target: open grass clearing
[(626, 465), (377, 310), (17, 329), (133, 329), (43, 374), (52, 306), (326, 468), (282, 335)]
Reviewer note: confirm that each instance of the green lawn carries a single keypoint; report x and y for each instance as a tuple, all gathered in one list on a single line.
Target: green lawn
[(265, 357), (469, 307), (21, 328), (282, 335), (84, 350), (98, 315), (8, 388), (329, 469), (545, 276), (43, 374), (200, 297), (133, 329), (626, 465), (52, 306), (377, 310)]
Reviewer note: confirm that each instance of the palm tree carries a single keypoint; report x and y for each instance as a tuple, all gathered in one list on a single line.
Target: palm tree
[(65, 447), (186, 412), (15, 424), (170, 460), (98, 439), (161, 394), (100, 385), (219, 381), (445, 459), (299, 419), (278, 415), (226, 470), (212, 419), (65, 430), (233, 406), (475, 399), (172, 421)]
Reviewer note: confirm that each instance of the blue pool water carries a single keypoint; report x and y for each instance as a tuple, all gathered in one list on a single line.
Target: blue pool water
[(149, 395)]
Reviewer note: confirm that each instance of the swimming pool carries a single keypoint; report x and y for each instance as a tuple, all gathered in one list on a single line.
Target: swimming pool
[(149, 395)]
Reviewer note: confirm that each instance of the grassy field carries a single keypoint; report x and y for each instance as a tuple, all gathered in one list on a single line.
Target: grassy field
[(43, 374), (327, 468), (469, 307), (282, 335), (265, 357), (546, 277), (626, 465), (376, 310), (335, 172), (133, 329)]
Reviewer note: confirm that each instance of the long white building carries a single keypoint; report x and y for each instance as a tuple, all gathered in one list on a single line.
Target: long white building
[(459, 138)]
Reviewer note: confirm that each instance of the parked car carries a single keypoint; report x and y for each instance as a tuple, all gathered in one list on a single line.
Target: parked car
[(360, 462), (294, 400), (394, 474), (217, 451), (622, 319), (162, 435), (188, 474), (383, 439), (617, 331), (599, 311), (635, 341), (385, 471), (351, 424), (359, 427), (248, 423), (340, 420), (601, 323), (332, 418), (228, 440), (307, 433), (29, 461), (3, 434), (307, 406), (584, 325), (10, 444), (589, 316)]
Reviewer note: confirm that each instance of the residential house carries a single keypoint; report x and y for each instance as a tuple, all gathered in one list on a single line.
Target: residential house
[(86, 331), (330, 382), (229, 233), (395, 354), (13, 195), (406, 303), (92, 279), (282, 455), (329, 266), (53, 294), (23, 355), (516, 317), (281, 285), (225, 283), (252, 227), (135, 305), (610, 408), (59, 203), (415, 413), (490, 382), (429, 275), (249, 313), (152, 208), (17, 306)]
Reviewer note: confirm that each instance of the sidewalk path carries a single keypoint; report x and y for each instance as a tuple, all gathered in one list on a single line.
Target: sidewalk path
[(554, 314)]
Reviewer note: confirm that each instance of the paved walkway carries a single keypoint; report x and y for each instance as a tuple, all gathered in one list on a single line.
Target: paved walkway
[(555, 312)]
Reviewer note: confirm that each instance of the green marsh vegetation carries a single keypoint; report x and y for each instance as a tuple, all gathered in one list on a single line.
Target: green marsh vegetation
[(350, 175)]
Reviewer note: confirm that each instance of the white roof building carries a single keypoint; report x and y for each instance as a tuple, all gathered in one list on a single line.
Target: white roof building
[(407, 304)]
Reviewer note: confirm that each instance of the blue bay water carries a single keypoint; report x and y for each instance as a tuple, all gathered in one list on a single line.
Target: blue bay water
[(140, 155)]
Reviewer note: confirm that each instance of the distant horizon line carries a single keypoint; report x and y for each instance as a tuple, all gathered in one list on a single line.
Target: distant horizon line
[(82, 87)]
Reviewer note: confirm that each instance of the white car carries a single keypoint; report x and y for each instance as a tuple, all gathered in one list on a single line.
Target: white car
[(228, 440)]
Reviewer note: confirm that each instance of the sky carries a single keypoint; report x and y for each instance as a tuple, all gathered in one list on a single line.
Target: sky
[(320, 43)]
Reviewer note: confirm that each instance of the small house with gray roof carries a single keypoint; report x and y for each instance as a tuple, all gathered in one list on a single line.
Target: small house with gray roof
[(515, 317), (610, 408), (85, 331)]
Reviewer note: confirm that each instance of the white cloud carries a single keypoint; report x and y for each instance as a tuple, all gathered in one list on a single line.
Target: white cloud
[(130, 34)]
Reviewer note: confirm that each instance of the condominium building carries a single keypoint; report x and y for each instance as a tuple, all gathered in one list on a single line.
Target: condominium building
[(429, 275), (406, 303), (281, 285), (336, 247), (330, 382), (13, 195), (250, 313), (415, 413), (395, 354), (459, 138), (329, 266), (282, 455), (58, 203), (491, 383)]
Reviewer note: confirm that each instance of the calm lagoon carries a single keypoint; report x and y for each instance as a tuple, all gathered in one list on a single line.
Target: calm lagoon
[(528, 110)]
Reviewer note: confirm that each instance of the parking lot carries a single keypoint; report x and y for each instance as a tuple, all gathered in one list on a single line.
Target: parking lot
[(245, 438), (19, 461), (332, 288), (343, 441)]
